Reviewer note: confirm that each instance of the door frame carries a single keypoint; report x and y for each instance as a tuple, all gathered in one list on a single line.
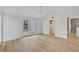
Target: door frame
[(68, 23)]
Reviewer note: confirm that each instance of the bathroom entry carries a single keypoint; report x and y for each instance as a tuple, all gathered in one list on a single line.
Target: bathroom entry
[(51, 26), (72, 25)]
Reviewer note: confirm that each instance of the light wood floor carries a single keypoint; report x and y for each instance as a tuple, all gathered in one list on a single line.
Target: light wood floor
[(40, 43), (72, 36)]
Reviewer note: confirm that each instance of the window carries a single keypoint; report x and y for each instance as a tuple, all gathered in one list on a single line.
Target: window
[(25, 25)]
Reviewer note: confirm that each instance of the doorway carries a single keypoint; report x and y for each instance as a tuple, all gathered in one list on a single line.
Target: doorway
[(52, 26), (72, 28)]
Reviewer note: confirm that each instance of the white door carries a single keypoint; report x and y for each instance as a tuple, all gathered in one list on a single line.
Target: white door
[(33, 26)]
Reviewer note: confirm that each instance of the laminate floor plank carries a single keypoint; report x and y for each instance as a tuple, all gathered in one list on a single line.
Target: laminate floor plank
[(40, 43)]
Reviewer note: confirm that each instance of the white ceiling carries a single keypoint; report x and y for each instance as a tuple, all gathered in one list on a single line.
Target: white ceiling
[(26, 11), (34, 11)]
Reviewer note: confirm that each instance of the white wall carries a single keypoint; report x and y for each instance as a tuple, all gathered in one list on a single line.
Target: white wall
[(45, 26), (60, 14), (12, 26), (39, 26), (77, 31), (61, 26), (0, 27)]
